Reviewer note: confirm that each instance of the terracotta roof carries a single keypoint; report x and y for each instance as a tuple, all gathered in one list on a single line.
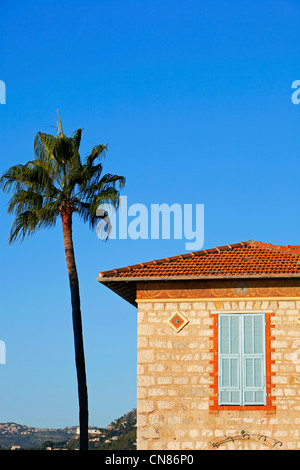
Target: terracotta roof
[(245, 259)]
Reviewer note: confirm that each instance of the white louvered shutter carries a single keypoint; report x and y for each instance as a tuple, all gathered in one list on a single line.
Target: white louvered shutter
[(242, 359), (254, 376), (229, 360)]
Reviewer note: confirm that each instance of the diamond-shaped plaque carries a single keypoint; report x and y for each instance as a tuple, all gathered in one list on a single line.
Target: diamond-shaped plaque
[(178, 321)]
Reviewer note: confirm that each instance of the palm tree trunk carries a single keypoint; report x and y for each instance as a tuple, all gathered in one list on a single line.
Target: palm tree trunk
[(77, 328)]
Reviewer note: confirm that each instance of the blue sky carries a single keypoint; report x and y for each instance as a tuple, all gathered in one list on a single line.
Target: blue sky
[(194, 100)]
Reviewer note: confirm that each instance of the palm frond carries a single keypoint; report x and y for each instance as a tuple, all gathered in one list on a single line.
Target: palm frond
[(25, 224), (77, 138), (98, 151), (59, 124), (31, 175), (25, 200)]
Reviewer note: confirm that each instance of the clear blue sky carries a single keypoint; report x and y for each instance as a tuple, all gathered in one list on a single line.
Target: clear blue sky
[(194, 100)]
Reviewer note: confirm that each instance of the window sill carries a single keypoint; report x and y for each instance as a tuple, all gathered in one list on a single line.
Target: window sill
[(242, 408)]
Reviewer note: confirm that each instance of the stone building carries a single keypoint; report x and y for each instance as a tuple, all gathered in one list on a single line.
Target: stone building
[(218, 347)]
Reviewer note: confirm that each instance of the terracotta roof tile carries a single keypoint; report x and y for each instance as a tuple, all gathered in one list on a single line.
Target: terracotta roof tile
[(242, 259)]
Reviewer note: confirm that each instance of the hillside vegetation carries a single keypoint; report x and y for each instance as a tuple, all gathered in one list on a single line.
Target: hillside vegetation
[(119, 435)]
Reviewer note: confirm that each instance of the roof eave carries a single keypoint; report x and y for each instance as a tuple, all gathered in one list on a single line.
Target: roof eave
[(126, 287), (104, 279)]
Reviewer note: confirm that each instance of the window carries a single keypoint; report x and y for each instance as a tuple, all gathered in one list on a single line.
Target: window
[(241, 359)]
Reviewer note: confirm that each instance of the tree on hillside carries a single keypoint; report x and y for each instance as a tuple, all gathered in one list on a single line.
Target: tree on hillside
[(57, 184)]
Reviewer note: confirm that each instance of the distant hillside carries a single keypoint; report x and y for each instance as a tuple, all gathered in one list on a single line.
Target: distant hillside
[(12, 434), (119, 435)]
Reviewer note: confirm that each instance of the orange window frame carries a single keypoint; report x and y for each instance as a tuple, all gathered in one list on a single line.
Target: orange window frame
[(214, 405)]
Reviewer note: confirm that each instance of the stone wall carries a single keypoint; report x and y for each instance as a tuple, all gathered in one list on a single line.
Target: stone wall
[(175, 379)]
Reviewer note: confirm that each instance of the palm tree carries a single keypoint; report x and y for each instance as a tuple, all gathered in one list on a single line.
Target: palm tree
[(57, 184)]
